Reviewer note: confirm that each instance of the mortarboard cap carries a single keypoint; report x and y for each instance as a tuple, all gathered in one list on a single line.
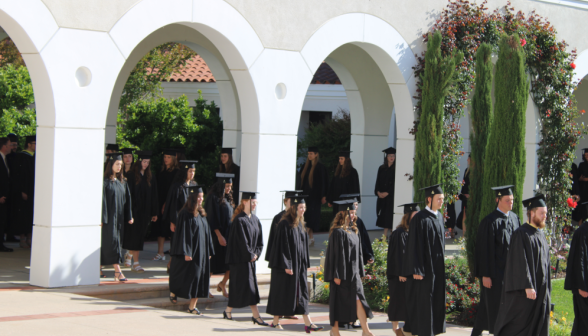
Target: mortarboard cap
[(249, 195), (127, 150), (194, 189), (227, 150), (584, 150), (114, 156), (169, 151), (345, 205), (144, 155), (535, 202), (389, 150), (432, 190), (298, 199), (13, 137), (410, 207), (350, 197), (503, 190), (344, 154), (313, 149), (30, 138), (291, 193), (113, 147), (225, 178), (187, 164)]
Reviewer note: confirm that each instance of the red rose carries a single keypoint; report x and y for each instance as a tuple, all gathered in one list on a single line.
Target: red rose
[(571, 203), (523, 42), (573, 65)]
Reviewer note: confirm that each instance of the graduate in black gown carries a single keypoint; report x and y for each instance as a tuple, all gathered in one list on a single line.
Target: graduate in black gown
[(424, 267), (366, 244), (345, 181), (243, 249), (577, 279), (288, 194), (578, 214), (492, 245), (128, 160), (219, 209), (143, 189), (313, 181), (229, 167), (189, 276), (344, 270), (165, 178), (583, 183), (116, 210), (289, 262), (463, 197), (23, 184), (396, 282), (178, 195), (384, 190), (526, 294)]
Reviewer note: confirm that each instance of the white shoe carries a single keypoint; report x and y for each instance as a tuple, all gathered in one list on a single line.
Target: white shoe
[(159, 257), (311, 242)]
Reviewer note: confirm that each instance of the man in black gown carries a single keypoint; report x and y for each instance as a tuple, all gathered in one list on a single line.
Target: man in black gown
[(577, 278), (526, 293), (424, 267), (492, 245), (23, 174)]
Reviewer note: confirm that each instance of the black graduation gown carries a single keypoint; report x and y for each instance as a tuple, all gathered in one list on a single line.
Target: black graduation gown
[(164, 181), (289, 293), (245, 242), (385, 206), (527, 266), (176, 198), (190, 279), (145, 206), (424, 255), (583, 186), (577, 278), (272, 234), (344, 261), (319, 189), (579, 212), (366, 244), (236, 180), (343, 185), (492, 244), (23, 176), (116, 210), (396, 288), (465, 190), (218, 216)]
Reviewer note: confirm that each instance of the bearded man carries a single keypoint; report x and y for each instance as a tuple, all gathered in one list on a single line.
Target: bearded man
[(526, 294)]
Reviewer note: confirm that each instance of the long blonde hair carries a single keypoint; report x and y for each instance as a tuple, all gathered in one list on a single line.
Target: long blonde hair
[(291, 215), (405, 221), (312, 163), (340, 222)]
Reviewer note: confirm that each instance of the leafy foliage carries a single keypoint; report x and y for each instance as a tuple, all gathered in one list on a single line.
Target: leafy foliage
[(481, 118), (16, 88), (330, 136), (9, 54), (160, 123), (436, 81), (462, 296)]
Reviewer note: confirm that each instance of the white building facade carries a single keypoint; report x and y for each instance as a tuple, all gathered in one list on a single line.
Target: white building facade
[(263, 54)]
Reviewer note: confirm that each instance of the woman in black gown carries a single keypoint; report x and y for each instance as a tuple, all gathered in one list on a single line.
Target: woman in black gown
[(219, 207), (143, 189), (345, 181), (583, 182), (191, 249), (344, 270), (229, 167), (116, 210), (165, 178), (289, 262), (396, 283), (243, 249), (384, 190), (464, 195), (313, 182), (128, 160)]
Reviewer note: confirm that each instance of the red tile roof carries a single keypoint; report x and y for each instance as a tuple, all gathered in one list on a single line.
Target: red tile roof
[(196, 70)]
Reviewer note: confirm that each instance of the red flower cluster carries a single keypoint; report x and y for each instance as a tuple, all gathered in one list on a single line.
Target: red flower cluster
[(573, 65), (571, 203), (523, 42)]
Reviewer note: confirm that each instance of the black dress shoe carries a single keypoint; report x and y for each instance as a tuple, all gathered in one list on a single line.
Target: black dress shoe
[(5, 249)]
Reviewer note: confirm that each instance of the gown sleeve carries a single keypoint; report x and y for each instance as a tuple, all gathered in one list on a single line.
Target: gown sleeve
[(396, 247), (360, 262), (485, 249), (366, 245), (213, 212), (128, 203), (334, 261), (281, 256), (517, 265), (377, 181), (272, 236), (104, 204), (240, 241), (209, 236), (575, 275), (414, 257), (178, 244), (259, 244)]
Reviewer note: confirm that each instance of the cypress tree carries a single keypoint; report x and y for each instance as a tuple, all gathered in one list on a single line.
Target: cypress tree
[(436, 80), (481, 118), (505, 153)]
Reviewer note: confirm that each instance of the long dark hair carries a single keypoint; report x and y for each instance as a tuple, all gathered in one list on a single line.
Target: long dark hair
[(405, 221), (345, 169), (182, 175), (218, 190), (192, 206), (291, 215), (137, 171), (312, 163), (108, 171), (228, 167)]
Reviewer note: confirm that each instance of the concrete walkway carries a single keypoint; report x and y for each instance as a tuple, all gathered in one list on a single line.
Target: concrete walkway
[(102, 309)]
